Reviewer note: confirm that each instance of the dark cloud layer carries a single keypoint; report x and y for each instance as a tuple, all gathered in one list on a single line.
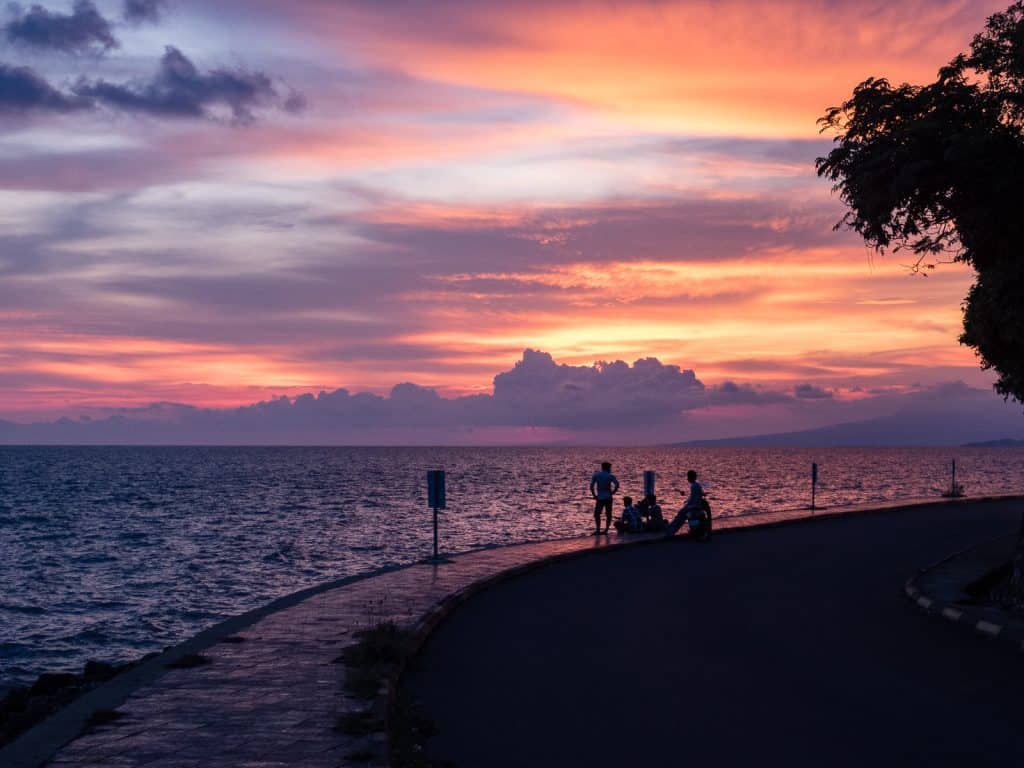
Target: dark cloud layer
[(810, 392), (143, 11), (22, 91), (84, 30), (179, 89)]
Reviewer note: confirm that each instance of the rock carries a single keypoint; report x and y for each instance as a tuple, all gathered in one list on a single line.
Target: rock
[(15, 701), (99, 671), (51, 682)]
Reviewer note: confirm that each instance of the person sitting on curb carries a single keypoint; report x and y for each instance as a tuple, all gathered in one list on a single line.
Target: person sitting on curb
[(630, 516), (650, 513)]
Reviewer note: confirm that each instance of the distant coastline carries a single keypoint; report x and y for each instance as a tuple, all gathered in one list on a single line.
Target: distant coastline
[(1006, 442)]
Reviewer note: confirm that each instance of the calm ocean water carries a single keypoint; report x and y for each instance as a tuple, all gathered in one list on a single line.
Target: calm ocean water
[(109, 553)]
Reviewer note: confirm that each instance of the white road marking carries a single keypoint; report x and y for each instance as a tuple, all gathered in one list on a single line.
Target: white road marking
[(989, 628)]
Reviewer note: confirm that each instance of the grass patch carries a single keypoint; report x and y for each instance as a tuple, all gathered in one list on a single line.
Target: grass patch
[(374, 657), (997, 587), (364, 683), (370, 662), (189, 661), (982, 587), (383, 645)]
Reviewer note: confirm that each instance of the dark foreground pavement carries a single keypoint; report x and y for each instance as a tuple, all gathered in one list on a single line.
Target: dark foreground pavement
[(789, 646)]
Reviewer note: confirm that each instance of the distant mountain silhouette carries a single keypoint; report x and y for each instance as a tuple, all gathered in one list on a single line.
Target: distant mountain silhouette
[(930, 421), (1005, 442)]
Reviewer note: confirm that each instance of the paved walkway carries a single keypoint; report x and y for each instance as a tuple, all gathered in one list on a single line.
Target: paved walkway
[(273, 699), (791, 647)]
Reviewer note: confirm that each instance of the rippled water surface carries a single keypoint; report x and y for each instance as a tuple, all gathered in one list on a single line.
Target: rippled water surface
[(109, 553)]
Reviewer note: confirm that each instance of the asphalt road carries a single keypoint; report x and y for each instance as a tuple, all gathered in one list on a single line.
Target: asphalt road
[(789, 646)]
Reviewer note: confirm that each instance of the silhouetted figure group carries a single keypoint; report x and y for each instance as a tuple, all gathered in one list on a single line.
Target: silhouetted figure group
[(643, 516), (646, 516)]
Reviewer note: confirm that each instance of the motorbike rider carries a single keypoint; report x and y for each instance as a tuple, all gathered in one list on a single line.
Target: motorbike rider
[(695, 503)]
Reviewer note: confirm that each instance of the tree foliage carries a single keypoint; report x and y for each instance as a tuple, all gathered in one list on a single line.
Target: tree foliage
[(937, 170)]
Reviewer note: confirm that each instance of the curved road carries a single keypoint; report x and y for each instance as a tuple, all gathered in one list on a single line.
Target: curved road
[(789, 646)]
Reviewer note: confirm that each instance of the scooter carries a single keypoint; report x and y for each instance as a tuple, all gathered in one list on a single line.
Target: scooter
[(698, 519)]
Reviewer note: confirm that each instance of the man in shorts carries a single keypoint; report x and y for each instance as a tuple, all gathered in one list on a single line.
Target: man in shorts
[(603, 486)]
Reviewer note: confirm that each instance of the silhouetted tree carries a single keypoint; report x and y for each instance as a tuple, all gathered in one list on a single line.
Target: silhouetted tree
[(938, 170)]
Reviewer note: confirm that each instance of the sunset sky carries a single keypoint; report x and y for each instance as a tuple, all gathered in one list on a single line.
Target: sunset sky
[(218, 203)]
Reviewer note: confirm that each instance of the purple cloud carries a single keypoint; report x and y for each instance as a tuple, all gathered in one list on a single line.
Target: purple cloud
[(540, 392), (179, 89), (92, 171), (810, 392), (84, 30), (613, 398), (731, 393), (647, 402), (143, 11), (22, 91)]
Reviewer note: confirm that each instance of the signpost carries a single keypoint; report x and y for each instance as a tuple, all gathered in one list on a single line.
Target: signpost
[(649, 477), (814, 483), (435, 498), (955, 490)]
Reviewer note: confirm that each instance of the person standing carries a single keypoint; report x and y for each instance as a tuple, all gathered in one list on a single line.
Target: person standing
[(603, 486)]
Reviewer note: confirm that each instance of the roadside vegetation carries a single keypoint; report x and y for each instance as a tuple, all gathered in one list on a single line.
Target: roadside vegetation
[(373, 664)]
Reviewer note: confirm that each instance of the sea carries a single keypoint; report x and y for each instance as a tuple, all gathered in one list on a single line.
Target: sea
[(109, 553)]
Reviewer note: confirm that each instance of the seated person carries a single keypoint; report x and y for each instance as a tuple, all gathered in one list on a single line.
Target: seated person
[(630, 516), (650, 513)]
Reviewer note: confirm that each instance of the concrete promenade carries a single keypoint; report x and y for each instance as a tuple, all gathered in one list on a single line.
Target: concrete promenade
[(273, 694), (793, 647)]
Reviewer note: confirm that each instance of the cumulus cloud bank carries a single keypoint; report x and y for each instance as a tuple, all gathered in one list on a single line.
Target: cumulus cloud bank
[(542, 401), (537, 393)]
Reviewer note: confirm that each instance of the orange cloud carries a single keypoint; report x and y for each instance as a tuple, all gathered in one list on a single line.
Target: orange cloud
[(740, 67)]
